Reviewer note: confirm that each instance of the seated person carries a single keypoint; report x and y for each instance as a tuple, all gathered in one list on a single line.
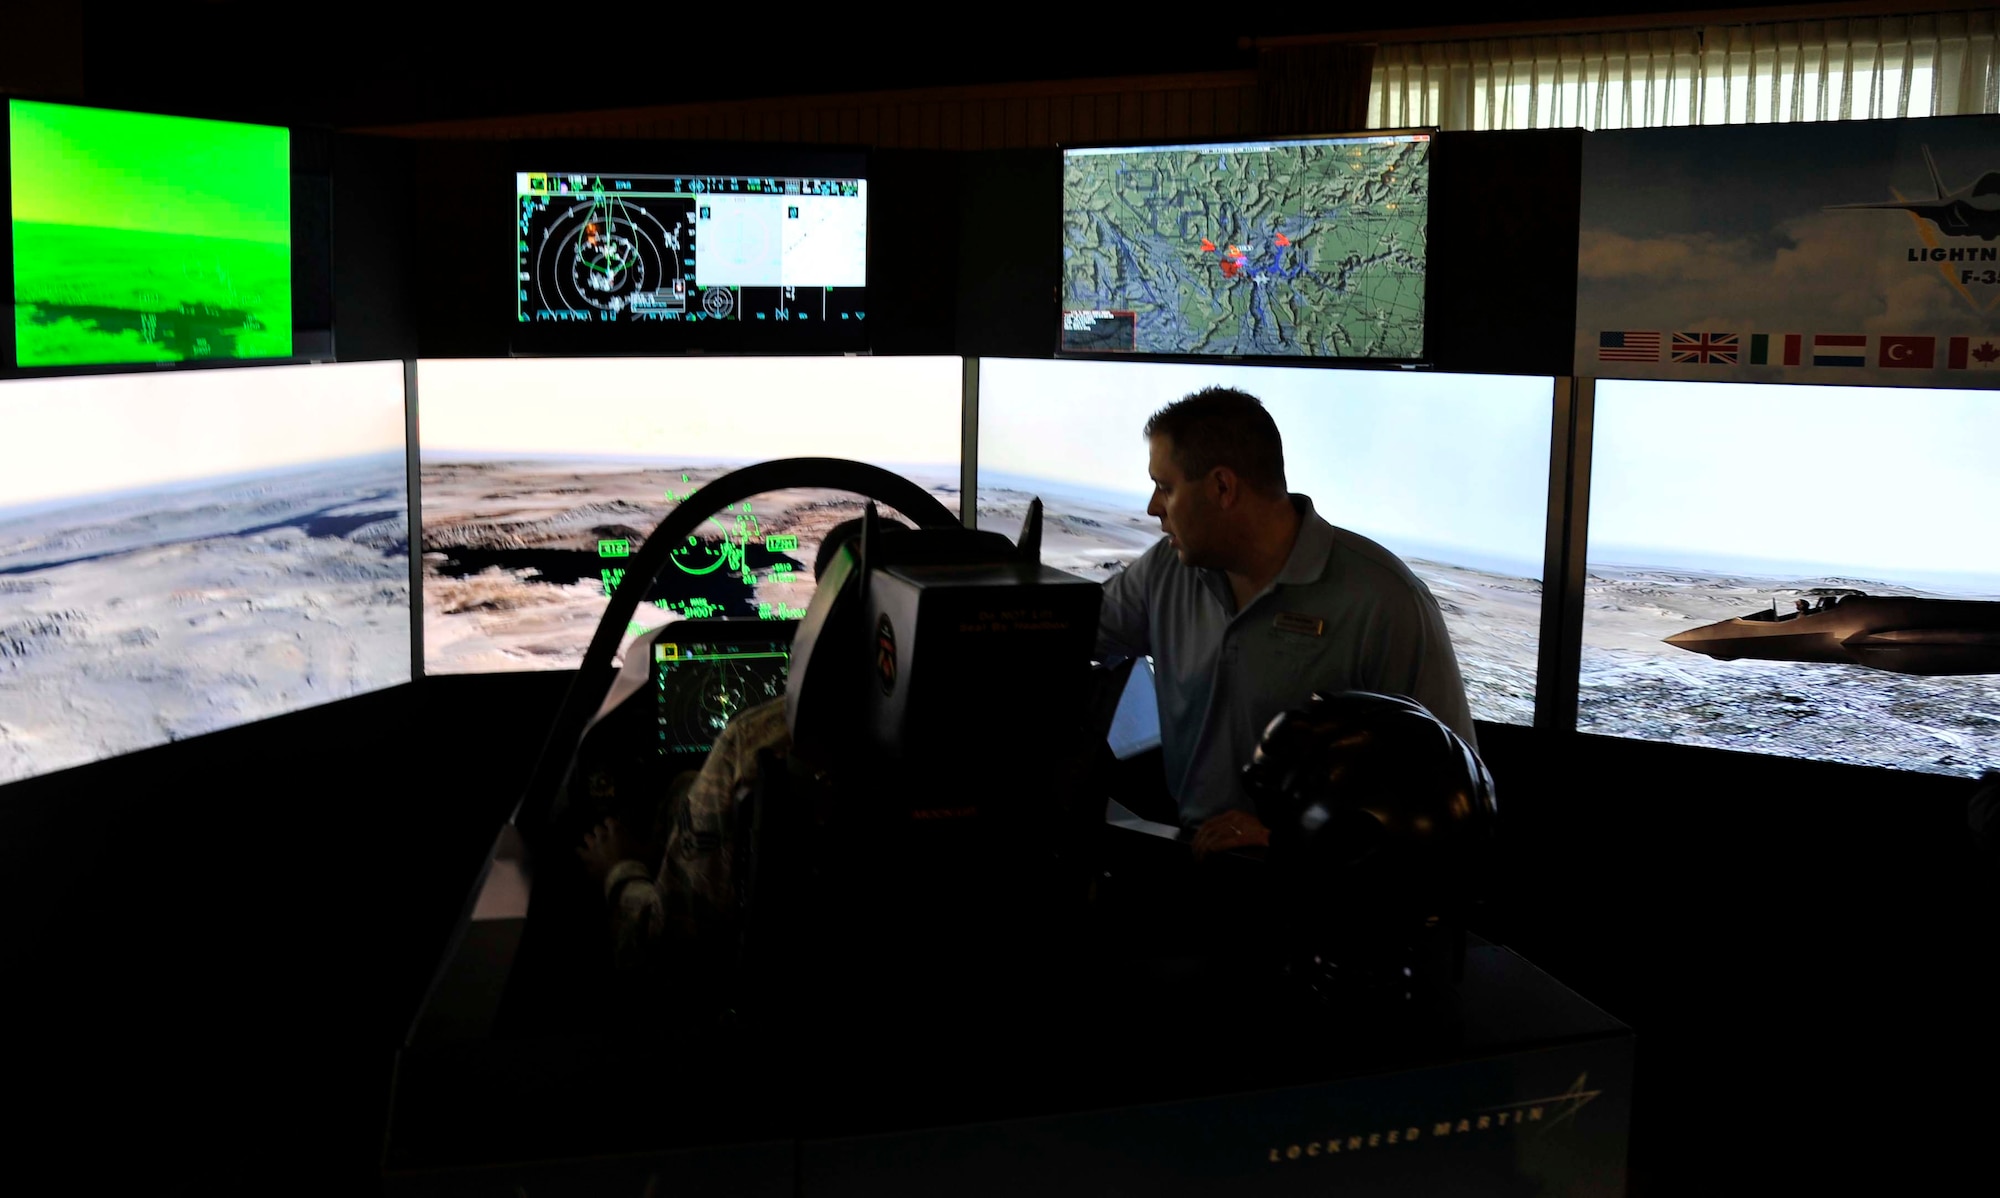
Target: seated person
[(691, 895), (1251, 602)]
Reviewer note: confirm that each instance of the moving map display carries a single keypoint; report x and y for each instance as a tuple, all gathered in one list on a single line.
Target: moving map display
[(1450, 472), (142, 238), (779, 257), (542, 477), (1764, 577), (186, 552), (1300, 248)]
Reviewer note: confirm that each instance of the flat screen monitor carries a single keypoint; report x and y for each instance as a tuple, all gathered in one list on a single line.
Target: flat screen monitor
[(654, 250), (145, 238), (700, 685), (541, 476), (1450, 472), (185, 552), (1300, 248), (1802, 570)]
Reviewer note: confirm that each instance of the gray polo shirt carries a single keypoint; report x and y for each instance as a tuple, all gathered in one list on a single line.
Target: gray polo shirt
[(1344, 614)]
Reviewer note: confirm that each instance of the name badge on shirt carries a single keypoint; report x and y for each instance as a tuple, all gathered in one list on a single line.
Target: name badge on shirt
[(1304, 625)]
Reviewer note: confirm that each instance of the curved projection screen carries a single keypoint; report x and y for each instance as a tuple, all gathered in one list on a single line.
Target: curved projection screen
[(183, 553), (144, 238), (1718, 509), (1448, 471), (541, 476)]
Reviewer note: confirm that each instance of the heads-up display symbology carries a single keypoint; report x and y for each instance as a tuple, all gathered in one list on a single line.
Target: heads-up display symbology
[(1311, 247), (1810, 571), (182, 553), (542, 477), (143, 238), (1450, 472), (785, 252)]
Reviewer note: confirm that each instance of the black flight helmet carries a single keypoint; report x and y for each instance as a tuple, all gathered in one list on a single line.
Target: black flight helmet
[(1378, 811)]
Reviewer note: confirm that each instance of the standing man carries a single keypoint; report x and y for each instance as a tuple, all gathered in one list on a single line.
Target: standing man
[(1251, 603)]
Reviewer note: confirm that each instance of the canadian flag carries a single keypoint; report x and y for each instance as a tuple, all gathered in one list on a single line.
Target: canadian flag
[(1968, 353)]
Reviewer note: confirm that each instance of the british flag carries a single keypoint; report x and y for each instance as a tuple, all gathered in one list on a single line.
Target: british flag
[(1705, 348)]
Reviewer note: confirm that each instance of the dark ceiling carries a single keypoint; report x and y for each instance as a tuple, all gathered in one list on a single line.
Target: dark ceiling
[(366, 64)]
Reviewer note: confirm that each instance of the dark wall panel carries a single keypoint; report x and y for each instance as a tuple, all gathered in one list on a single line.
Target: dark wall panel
[(913, 232), (453, 224), (374, 243), (1010, 231), (1501, 297), (312, 261)]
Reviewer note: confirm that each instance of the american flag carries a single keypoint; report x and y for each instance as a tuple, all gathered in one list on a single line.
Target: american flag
[(1704, 348), (1629, 346)]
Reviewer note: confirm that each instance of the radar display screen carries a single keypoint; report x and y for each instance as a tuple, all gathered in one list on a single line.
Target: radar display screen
[(145, 238), (701, 686), (700, 260), (1300, 248)]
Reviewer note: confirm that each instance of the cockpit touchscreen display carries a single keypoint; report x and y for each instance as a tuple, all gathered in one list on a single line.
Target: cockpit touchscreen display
[(701, 685)]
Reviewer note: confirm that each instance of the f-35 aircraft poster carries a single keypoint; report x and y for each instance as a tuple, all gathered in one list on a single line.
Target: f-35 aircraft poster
[(1829, 252)]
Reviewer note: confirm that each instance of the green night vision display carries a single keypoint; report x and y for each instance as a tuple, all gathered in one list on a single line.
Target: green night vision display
[(142, 238)]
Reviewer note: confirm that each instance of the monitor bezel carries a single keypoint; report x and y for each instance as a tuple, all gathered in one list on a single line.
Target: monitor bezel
[(662, 339), (1423, 361)]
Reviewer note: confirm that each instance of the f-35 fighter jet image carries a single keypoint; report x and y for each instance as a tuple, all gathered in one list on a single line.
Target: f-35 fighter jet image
[(1972, 211), (1904, 635)]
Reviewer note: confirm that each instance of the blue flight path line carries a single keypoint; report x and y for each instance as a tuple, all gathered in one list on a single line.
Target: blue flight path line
[(1285, 267)]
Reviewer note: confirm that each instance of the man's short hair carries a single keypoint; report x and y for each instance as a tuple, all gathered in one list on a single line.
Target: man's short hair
[(1221, 426)]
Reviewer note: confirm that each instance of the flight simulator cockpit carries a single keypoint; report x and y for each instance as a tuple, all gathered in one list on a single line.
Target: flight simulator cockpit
[(941, 719), (885, 890)]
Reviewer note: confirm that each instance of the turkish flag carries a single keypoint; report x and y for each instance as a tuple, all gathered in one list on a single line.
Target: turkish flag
[(1913, 353)]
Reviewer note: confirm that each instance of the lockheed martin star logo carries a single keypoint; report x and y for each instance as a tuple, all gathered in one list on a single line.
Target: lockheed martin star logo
[(1561, 1108)]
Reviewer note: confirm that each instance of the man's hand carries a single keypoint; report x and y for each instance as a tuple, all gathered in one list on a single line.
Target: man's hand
[(605, 846), (1230, 830)]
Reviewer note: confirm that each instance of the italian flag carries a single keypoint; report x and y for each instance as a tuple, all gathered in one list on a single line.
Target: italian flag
[(1789, 346)]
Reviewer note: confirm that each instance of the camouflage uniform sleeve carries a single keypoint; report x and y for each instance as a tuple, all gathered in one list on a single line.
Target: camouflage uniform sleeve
[(638, 918), (695, 883)]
